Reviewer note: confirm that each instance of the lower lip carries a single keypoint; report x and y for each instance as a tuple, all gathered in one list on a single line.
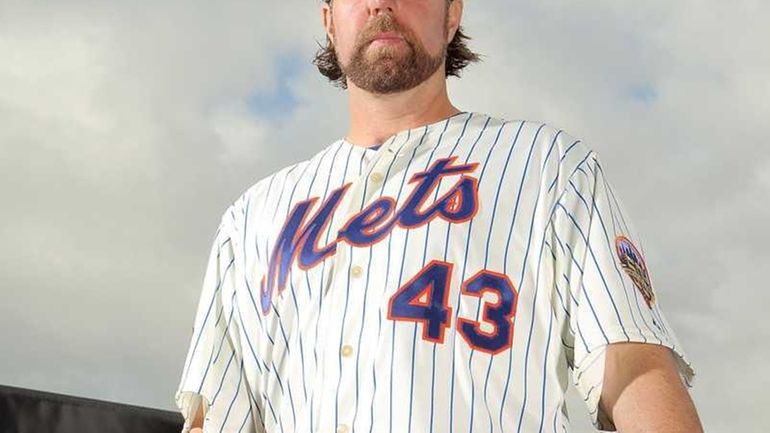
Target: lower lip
[(388, 41)]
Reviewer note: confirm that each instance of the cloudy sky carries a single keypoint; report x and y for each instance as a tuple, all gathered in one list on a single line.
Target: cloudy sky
[(127, 127)]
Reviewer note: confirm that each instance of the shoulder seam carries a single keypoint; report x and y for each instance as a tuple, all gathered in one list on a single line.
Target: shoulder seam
[(590, 156)]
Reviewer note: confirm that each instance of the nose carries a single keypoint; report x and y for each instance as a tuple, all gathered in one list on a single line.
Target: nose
[(377, 7)]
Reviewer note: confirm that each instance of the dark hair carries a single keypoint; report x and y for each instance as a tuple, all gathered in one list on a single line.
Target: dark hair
[(458, 56)]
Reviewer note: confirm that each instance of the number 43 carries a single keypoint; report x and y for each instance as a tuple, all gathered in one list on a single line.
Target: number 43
[(423, 299)]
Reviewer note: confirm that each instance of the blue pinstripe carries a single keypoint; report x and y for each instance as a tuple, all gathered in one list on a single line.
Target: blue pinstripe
[(545, 369), (523, 269), (486, 259), (222, 379), (433, 368), (579, 330), (321, 291), (256, 359), (536, 291), (491, 223), (227, 327), (457, 301), (505, 262), (400, 279), (414, 333)]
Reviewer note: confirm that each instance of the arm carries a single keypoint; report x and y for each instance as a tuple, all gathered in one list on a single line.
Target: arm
[(197, 424), (643, 392)]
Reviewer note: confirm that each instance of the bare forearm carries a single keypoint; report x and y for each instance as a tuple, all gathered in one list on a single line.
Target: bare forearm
[(646, 394), (670, 411), (197, 423)]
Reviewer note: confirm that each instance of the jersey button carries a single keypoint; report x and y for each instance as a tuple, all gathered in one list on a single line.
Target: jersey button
[(347, 350), (342, 428), (356, 271), (376, 177)]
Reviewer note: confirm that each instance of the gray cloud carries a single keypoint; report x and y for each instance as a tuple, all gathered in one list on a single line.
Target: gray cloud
[(126, 128)]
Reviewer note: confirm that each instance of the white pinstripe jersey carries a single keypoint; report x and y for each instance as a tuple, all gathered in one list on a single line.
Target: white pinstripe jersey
[(454, 280)]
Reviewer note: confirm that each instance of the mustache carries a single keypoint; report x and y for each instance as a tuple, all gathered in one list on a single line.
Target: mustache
[(384, 23)]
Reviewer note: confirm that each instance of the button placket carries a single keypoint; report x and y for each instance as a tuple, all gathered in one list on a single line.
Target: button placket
[(348, 267), (369, 182), (388, 160)]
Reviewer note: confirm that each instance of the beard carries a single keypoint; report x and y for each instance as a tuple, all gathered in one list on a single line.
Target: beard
[(390, 68)]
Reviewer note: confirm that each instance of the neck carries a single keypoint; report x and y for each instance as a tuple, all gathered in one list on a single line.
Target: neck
[(375, 117)]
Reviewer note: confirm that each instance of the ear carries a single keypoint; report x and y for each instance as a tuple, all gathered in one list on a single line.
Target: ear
[(326, 15), (454, 18)]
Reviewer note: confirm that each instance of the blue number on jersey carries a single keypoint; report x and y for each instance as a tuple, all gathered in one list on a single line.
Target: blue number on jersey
[(500, 313), (424, 299), (432, 283)]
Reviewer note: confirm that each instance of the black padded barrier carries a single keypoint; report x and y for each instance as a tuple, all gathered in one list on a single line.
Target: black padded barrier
[(30, 411)]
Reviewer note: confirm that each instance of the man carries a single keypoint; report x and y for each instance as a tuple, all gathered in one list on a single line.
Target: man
[(435, 270)]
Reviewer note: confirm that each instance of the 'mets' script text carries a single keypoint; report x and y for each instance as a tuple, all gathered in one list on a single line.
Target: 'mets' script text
[(299, 236)]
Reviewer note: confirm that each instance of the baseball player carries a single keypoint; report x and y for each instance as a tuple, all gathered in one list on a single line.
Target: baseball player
[(434, 270)]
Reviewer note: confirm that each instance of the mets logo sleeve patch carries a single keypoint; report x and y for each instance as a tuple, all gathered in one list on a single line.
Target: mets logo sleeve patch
[(633, 263)]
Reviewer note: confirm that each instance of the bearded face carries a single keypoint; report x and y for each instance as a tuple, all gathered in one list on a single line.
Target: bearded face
[(390, 65)]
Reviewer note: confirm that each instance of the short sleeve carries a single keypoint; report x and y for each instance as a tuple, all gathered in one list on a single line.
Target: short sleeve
[(601, 272), (213, 374)]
